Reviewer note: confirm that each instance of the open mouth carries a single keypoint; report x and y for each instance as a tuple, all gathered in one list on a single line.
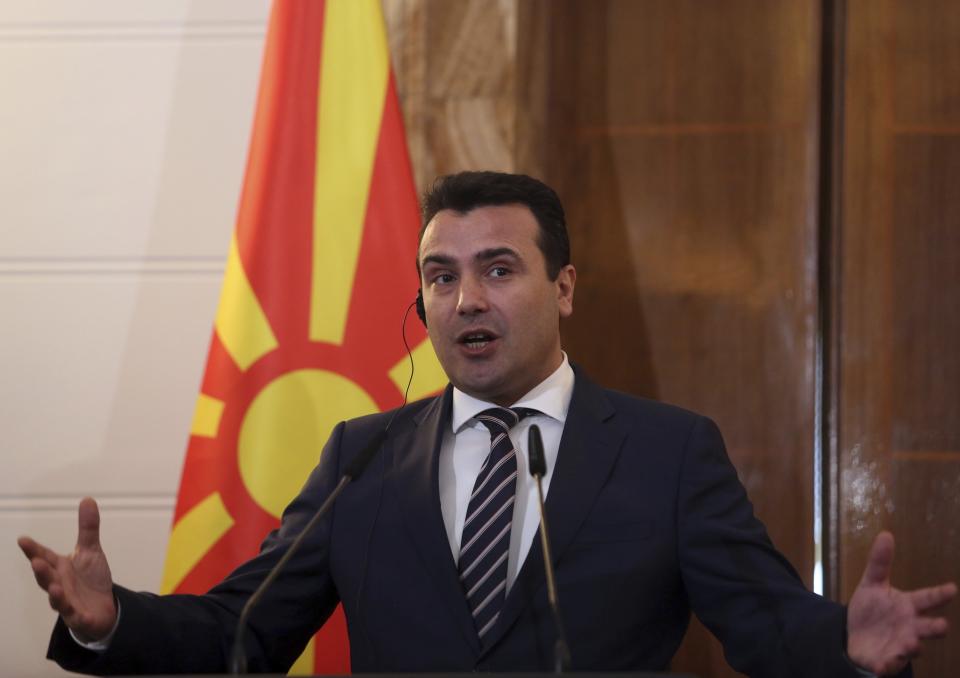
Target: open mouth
[(476, 340)]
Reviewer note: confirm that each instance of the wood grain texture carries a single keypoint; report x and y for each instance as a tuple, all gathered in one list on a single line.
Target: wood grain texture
[(456, 68), (926, 302), (684, 148), (899, 293)]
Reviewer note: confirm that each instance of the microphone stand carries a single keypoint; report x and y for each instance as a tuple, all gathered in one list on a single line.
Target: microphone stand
[(238, 661), (538, 468)]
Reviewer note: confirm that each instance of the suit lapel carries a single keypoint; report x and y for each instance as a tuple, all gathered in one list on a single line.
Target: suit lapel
[(416, 453), (589, 448)]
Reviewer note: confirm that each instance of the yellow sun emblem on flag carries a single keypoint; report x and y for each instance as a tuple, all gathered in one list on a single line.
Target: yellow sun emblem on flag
[(318, 276)]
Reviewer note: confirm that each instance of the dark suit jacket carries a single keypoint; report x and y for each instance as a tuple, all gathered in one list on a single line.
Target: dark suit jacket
[(648, 520)]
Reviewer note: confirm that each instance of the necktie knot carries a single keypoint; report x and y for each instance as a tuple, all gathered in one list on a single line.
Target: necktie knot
[(501, 419)]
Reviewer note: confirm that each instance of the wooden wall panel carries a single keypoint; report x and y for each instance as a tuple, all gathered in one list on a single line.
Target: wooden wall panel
[(926, 298), (685, 149), (473, 78), (898, 296), (457, 72)]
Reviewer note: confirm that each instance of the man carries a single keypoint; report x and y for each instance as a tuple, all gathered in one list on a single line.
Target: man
[(432, 550)]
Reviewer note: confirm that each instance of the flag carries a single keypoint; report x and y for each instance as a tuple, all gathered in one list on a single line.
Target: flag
[(319, 272)]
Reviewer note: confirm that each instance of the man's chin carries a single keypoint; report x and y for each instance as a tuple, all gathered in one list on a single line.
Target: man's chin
[(482, 385)]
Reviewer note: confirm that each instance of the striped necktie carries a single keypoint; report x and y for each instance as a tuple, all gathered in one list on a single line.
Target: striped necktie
[(485, 542)]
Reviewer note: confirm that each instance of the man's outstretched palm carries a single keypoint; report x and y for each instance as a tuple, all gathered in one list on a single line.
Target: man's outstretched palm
[(885, 625), (79, 586)]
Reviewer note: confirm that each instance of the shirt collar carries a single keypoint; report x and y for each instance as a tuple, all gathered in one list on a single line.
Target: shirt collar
[(551, 397)]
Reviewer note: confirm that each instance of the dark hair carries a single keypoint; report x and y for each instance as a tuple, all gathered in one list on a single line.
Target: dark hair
[(465, 191)]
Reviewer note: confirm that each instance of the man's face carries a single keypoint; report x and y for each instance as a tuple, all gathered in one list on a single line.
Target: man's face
[(492, 314)]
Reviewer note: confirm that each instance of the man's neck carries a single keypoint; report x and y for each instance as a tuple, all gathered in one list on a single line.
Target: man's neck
[(551, 396)]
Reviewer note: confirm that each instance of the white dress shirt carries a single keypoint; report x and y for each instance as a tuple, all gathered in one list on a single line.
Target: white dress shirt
[(466, 444)]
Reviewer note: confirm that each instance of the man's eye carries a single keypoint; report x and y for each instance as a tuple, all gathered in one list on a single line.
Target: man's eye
[(499, 271), (443, 278)]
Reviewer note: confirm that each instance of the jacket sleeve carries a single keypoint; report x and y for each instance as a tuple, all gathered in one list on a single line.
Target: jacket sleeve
[(739, 585), (195, 634)]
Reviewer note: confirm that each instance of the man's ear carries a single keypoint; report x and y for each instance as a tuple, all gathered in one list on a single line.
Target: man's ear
[(565, 282)]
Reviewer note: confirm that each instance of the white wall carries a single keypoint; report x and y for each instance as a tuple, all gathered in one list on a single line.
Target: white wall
[(123, 135)]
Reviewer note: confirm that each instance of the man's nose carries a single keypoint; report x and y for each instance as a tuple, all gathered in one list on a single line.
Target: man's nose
[(473, 297)]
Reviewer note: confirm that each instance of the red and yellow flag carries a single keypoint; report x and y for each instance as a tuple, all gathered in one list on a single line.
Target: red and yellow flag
[(318, 276)]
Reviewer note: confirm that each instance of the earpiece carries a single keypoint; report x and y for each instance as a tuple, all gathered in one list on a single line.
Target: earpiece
[(421, 311)]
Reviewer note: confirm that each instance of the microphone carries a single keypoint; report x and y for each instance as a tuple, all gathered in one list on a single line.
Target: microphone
[(238, 663), (538, 468)]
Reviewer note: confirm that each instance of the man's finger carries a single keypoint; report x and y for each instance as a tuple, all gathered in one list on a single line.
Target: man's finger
[(934, 596), (32, 549), (880, 560), (43, 573), (931, 627), (88, 524), (28, 546)]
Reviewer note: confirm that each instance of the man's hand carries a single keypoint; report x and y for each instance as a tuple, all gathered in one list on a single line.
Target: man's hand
[(885, 625), (79, 586)]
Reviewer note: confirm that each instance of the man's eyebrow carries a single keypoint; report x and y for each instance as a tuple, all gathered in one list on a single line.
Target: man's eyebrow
[(482, 255), (438, 259), (495, 253)]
